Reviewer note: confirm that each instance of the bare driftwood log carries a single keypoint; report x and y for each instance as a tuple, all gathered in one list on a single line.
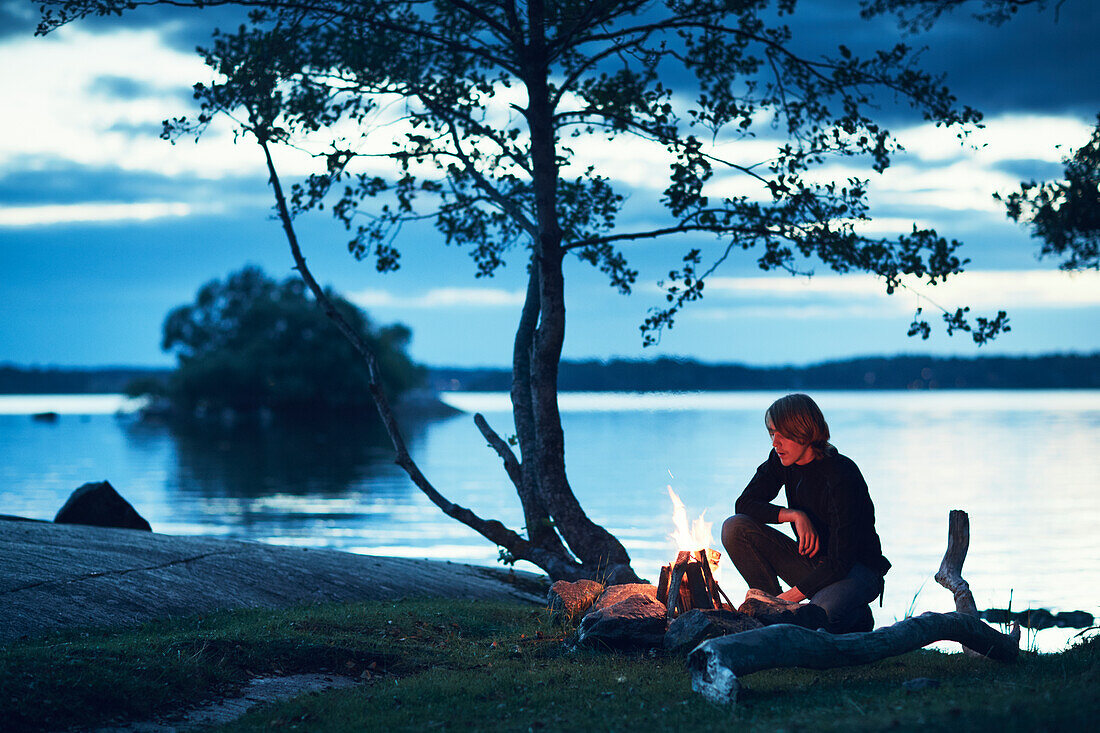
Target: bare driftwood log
[(716, 664), (950, 573)]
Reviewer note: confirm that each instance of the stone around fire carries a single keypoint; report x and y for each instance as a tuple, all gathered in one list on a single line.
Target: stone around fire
[(569, 600), (635, 622), (691, 629), (769, 609), (615, 593)]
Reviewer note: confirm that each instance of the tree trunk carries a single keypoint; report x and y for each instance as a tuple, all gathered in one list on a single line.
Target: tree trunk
[(597, 548), (716, 664), (540, 528)]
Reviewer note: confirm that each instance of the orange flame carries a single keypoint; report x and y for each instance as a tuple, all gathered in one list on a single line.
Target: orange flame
[(698, 537)]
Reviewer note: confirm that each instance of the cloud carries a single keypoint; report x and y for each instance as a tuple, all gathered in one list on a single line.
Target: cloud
[(864, 296), (56, 214), (440, 298), (86, 100), (16, 18), (47, 192)]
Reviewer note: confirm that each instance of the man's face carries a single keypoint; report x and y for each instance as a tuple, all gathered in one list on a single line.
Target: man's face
[(789, 451)]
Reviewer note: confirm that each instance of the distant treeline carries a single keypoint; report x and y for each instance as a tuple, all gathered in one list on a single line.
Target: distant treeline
[(58, 380), (895, 372), (1068, 371)]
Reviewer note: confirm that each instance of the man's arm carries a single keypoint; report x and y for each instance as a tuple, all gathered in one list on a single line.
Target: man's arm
[(808, 544), (756, 498)]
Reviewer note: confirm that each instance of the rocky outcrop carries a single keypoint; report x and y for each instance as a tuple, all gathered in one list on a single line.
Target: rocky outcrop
[(97, 504), (63, 576)]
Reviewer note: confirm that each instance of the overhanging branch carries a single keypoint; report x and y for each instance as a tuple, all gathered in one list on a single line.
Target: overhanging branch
[(493, 530)]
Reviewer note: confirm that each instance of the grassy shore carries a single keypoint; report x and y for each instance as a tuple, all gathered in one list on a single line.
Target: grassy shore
[(455, 665)]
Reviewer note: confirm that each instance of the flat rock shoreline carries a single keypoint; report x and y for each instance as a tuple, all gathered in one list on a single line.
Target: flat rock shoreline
[(55, 577)]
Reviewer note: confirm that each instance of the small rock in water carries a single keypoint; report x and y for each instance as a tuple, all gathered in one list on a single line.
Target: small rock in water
[(1035, 618), (996, 615), (1074, 619)]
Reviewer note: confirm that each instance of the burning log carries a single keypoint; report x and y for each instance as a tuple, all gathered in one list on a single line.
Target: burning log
[(689, 583)]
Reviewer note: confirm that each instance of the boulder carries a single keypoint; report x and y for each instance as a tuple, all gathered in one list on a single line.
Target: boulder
[(635, 622), (98, 504), (689, 630), (615, 593), (569, 600)]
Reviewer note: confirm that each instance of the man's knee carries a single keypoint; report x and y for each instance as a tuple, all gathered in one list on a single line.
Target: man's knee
[(737, 528)]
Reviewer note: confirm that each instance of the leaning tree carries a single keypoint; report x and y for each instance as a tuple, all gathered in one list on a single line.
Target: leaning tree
[(481, 111)]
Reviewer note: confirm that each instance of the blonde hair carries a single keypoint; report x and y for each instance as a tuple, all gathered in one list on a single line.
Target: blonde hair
[(797, 417)]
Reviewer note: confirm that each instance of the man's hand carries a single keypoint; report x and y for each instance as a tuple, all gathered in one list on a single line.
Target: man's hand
[(808, 541)]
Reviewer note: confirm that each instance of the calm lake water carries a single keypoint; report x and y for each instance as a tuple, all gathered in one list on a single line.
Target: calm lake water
[(1024, 464)]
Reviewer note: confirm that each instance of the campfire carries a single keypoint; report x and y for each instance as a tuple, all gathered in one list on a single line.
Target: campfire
[(689, 582)]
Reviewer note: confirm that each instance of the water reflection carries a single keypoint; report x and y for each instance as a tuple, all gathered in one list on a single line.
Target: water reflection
[(297, 458), (327, 483)]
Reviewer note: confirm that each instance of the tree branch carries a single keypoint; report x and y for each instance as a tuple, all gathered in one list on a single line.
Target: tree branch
[(511, 463), (493, 530)]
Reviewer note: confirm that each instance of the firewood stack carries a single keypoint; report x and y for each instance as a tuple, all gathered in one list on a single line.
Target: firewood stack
[(689, 583)]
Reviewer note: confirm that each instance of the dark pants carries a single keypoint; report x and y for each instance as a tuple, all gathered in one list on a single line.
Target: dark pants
[(763, 554)]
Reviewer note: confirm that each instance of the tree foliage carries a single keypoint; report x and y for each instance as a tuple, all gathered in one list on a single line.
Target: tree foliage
[(1065, 215), (916, 15), (250, 343), (477, 116)]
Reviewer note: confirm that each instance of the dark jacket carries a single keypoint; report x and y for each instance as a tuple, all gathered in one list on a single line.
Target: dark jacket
[(832, 492)]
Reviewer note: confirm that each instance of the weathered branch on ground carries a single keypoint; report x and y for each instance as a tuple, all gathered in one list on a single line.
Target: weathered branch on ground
[(950, 573), (716, 664)]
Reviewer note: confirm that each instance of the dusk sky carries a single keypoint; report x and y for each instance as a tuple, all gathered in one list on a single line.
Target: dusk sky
[(104, 227)]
